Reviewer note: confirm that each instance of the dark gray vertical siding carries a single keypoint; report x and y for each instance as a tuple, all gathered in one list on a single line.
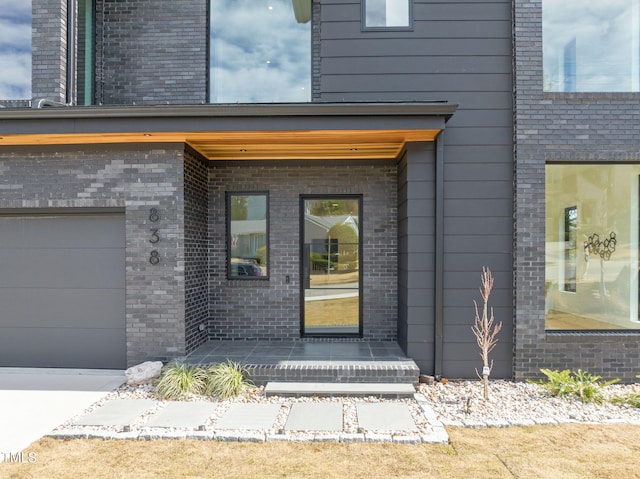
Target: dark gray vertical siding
[(459, 51), (416, 249)]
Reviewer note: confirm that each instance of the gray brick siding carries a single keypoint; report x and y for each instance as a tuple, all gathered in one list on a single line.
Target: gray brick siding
[(49, 49), (136, 181), (552, 127), (270, 309), (196, 244), (151, 52)]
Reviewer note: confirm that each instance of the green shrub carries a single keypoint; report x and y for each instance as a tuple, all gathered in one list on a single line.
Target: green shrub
[(630, 399), (587, 387), (226, 380), (179, 379)]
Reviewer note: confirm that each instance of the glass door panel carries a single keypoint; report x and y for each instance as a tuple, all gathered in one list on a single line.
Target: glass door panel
[(331, 266)]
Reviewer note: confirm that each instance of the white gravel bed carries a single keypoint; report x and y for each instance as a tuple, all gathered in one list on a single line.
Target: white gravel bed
[(456, 403), (461, 403), (350, 432)]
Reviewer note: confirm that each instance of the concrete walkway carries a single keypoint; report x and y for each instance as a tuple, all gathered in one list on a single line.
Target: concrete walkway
[(39, 402), (35, 401), (286, 420)]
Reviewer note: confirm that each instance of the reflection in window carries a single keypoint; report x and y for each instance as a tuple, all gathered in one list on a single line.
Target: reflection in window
[(247, 226), (591, 248), (386, 13), (260, 51), (591, 45), (15, 49), (570, 223)]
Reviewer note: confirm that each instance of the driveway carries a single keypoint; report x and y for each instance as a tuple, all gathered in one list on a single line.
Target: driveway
[(35, 401)]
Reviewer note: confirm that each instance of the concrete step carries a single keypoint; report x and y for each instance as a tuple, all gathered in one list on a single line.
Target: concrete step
[(297, 389)]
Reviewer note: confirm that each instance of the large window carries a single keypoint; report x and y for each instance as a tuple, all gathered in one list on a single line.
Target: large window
[(591, 45), (15, 50), (592, 247), (386, 13), (248, 234), (260, 51)]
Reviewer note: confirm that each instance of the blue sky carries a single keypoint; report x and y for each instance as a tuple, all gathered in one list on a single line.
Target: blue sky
[(15, 49)]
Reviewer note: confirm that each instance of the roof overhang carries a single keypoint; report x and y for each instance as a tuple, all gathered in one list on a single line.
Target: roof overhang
[(305, 131)]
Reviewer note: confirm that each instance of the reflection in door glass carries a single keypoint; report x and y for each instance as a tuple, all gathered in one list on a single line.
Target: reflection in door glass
[(331, 266)]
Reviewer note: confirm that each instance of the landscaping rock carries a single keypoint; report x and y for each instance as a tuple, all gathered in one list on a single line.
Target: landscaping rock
[(143, 373)]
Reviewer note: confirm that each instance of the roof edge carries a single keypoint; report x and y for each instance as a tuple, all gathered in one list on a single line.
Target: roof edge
[(431, 108)]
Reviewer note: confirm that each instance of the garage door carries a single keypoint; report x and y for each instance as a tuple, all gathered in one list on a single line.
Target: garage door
[(62, 291)]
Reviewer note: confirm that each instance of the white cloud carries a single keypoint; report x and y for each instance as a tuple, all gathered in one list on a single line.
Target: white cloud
[(15, 76), (15, 49), (607, 37), (259, 52)]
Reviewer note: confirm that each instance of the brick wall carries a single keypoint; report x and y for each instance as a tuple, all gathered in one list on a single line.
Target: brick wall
[(49, 50), (151, 51), (270, 309), (196, 258), (135, 181), (552, 127)]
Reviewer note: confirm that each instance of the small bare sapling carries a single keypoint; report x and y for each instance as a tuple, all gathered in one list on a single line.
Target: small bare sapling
[(485, 329)]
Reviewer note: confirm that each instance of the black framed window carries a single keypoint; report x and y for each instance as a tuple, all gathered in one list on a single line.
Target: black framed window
[(591, 46), (269, 40), (592, 254), (387, 14), (247, 235)]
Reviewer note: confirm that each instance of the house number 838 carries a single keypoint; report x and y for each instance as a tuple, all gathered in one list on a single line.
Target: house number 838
[(154, 217)]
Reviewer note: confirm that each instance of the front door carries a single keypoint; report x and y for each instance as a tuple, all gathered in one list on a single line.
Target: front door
[(331, 266)]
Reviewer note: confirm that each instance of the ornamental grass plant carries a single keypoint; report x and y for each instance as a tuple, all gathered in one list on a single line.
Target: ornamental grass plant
[(583, 385), (226, 380), (179, 380)]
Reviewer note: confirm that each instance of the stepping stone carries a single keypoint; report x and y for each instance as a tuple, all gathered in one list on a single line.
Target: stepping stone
[(387, 390), (249, 416), (385, 417), (188, 415), (119, 412), (315, 417)]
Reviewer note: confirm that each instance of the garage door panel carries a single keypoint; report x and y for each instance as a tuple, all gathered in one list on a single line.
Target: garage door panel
[(63, 348), (62, 291), (62, 268), (78, 231), (62, 308)]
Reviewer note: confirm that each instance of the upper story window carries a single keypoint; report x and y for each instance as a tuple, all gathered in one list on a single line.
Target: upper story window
[(15, 50), (260, 51), (591, 45), (386, 13)]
